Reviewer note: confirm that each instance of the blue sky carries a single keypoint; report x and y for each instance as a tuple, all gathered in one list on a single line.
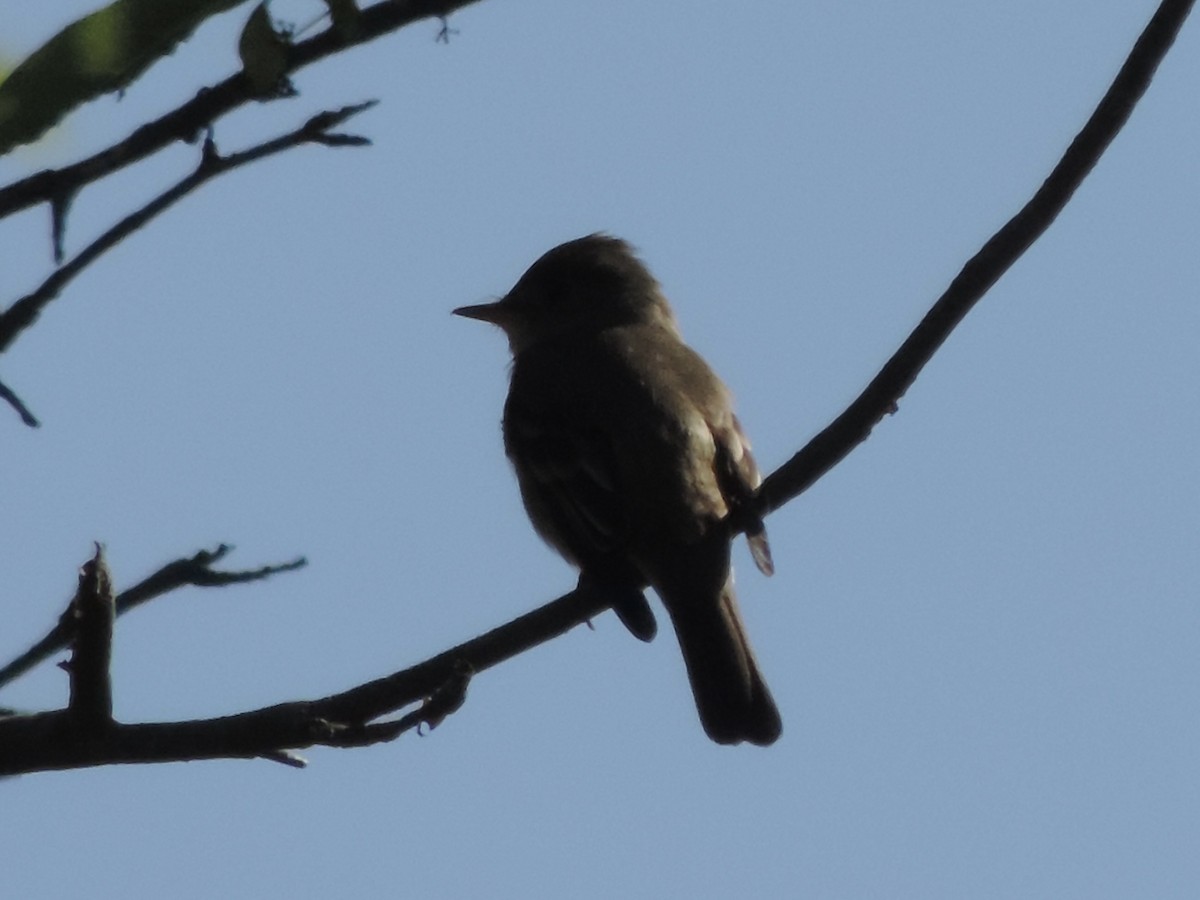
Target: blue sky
[(983, 633)]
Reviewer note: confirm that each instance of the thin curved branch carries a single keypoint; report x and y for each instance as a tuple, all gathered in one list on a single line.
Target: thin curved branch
[(983, 270), (9, 396), (194, 570), (25, 311)]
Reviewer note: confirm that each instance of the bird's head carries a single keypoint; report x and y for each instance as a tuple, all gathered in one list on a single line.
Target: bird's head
[(587, 284)]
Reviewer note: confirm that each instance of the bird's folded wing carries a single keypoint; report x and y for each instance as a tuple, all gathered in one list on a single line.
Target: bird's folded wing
[(738, 478)]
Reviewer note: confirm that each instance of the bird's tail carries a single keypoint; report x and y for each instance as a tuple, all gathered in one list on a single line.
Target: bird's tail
[(732, 698)]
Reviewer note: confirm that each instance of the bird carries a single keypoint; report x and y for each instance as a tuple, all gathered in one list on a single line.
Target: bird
[(632, 465)]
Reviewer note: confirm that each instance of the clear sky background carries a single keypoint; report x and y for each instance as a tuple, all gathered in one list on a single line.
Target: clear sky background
[(984, 633)]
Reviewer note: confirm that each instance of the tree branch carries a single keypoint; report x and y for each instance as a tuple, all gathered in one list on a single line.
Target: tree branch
[(191, 118), (53, 740), (91, 684), (882, 395), (59, 187), (196, 570), (25, 311)]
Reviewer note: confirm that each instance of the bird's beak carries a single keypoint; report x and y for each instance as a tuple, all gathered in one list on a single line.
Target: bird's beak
[(496, 313)]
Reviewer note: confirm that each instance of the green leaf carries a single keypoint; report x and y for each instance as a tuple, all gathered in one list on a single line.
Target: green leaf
[(264, 54), (102, 52), (344, 14)]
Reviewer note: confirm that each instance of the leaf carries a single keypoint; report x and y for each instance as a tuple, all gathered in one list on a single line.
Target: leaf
[(264, 54), (344, 14), (102, 52)]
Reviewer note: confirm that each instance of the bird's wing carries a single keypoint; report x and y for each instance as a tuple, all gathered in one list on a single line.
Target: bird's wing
[(567, 479), (738, 478)]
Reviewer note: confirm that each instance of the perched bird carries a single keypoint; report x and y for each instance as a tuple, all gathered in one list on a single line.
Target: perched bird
[(632, 464)]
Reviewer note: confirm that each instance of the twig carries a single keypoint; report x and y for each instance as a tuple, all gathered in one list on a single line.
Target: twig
[(983, 270), (9, 397), (286, 758), (89, 667), (25, 311), (189, 119), (196, 570)]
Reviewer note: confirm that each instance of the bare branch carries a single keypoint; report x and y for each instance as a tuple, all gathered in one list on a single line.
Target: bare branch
[(187, 121), (51, 740), (92, 612), (196, 570), (25, 311), (287, 758), (881, 397), (9, 396), (60, 205)]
